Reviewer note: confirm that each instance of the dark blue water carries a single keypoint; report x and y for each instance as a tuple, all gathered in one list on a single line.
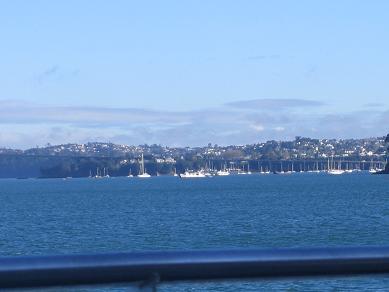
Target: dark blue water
[(165, 213)]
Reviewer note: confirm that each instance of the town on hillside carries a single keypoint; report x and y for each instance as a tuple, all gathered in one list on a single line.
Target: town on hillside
[(95, 158), (299, 148)]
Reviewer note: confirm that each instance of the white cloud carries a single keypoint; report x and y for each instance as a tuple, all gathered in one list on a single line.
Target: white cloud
[(24, 125), (274, 103), (279, 129), (257, 127)]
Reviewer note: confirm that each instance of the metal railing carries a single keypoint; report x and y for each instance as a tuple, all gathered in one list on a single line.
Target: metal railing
[(154, 267)]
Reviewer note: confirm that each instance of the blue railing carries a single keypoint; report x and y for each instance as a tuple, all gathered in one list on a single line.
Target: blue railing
[(154, 267)]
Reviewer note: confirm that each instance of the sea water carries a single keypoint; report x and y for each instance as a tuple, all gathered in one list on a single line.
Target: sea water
[(56, 216)]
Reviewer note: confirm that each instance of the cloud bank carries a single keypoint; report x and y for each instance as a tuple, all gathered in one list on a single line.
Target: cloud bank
[(275, 103), (25, 125)]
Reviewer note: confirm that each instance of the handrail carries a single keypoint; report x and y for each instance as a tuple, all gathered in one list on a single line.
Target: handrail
[(62, 270)]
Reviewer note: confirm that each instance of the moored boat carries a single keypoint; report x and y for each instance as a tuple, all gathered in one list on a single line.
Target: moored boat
[(143, 173), (192, 174), (222, 173)]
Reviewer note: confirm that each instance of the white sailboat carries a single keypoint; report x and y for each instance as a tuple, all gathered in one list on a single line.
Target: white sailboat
[(98, 175), (267, 170), (348, 170), (106, 175), (263, 171), (374, 168), (336, 171), (223, 172), (371, 168), (248, 168), (317, 167), (281, 168), (333, 170), (291, 169), (243, 171), (143, 173)]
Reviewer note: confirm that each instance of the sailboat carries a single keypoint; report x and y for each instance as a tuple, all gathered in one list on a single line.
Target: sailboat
[(317, 167), (333, 170), (291, 170), (348, 170), (379, 167), (263, 172), (98, 175), (281, 168), (248, 168), (106, 175), (242, 171), (223, 172), (374, 168), (143, 173), (371, 168), (302, 167)]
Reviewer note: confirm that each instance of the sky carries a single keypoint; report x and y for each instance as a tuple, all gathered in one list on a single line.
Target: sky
[(188, 73)]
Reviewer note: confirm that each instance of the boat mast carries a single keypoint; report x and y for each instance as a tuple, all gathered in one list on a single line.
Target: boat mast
[(142, 165)]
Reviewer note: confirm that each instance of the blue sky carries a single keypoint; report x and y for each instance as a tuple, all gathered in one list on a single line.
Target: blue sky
[(192, 72)]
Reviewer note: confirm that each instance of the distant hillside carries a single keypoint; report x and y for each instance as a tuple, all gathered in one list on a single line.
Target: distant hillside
[(387, 143), (81, 160), (300, 148)]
